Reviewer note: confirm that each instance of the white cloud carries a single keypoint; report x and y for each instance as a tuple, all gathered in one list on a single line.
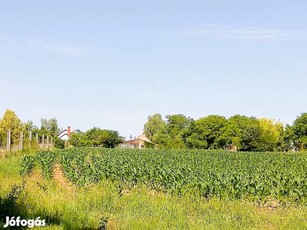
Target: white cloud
[(244, 33), (59, 47)]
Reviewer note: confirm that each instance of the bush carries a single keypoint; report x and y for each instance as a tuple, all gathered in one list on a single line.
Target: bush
[(58, 143)]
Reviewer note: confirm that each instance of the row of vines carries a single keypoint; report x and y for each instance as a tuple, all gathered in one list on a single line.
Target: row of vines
[(252, 176)]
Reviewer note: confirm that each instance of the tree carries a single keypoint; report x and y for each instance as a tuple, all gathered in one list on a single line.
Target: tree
[(167, 134), (287, 139), (58, 143), (176, 127), (154, 128), (110, 138), (300, 131), (2, 136), (93, 137), (230, 135), (29, 126), (205, 132), (242, 131), (10, 121), (96, 137), (194, 142), (270, 135), (49, 127), (79, 140)]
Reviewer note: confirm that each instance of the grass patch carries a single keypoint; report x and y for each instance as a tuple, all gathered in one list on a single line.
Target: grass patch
[(9, 173)]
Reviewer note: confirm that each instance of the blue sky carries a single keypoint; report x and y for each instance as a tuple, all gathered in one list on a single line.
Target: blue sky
[(110, 64)]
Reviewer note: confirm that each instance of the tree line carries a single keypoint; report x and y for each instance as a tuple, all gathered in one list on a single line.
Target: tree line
[(217, 132), (10, 121), (96, 137), (176, 132), (49, 127)]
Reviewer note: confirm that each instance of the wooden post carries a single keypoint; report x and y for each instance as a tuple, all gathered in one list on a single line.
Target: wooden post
[(8, 140), (30, 138), (47, 141), (30, 135), (21, 141), (43, 137)]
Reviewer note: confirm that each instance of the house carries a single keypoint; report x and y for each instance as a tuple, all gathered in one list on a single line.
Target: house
[(231, 148), (137, 143), (65, 134)]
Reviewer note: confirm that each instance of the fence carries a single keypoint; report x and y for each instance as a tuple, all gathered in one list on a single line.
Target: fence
[(43, 141)]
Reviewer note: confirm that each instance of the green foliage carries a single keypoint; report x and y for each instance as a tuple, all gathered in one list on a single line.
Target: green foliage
[(110, 138), (193, 141), (2, 138), (168, 134), (10, 121), (8, 204), (242, 131), (58, 143), (270, 135), (177, 123), (300, 131), (139, 207), (176, 127), (175, 132), (206, 131), (154, 128), (30, 126), (27, 165), (217, 132), (43, 159), (79, 140), (96, 137), (49, 127), (287, 138), (251, 176)]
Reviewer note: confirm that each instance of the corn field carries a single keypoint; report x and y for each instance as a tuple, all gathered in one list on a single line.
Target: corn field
[(225, 175)]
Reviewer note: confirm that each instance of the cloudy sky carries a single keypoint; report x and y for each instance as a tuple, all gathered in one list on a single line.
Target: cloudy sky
[(110, 64)]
